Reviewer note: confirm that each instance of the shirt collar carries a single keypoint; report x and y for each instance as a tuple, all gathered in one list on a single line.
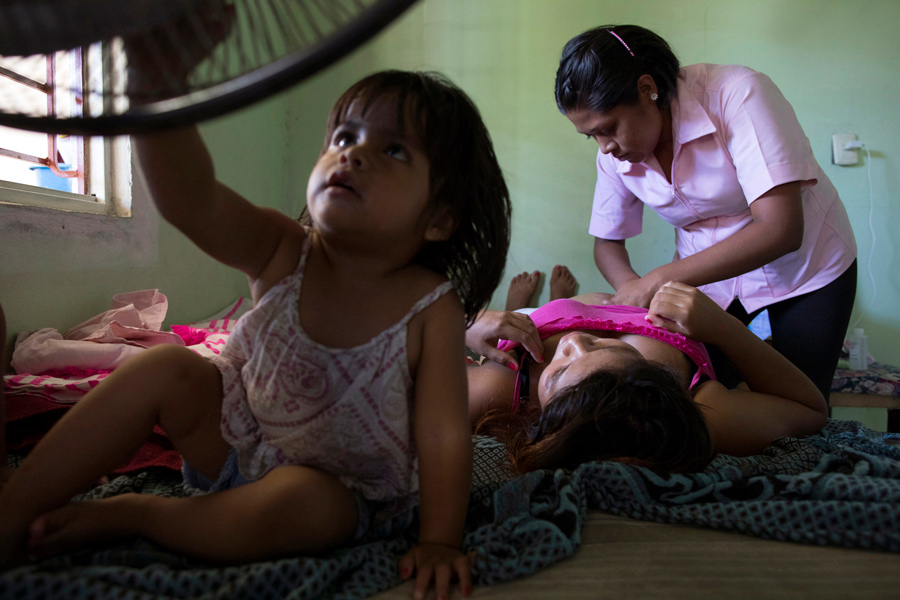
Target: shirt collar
[(689, 119)]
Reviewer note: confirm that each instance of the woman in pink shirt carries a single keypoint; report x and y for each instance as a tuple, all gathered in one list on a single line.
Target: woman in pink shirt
[(717, 152)]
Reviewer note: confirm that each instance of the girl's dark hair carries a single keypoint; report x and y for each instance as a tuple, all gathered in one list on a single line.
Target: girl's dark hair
[(599, 69), (465, 177), (641, 413)]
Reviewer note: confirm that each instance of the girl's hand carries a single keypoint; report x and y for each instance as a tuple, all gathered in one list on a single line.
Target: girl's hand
[(160, 61), (495, 325), (438, 562), (684, 309)]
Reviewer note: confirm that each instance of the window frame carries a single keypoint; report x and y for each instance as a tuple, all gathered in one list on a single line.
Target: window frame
[(101, 162)]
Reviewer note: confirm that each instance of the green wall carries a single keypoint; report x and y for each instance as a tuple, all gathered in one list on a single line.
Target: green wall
[(837, 62)]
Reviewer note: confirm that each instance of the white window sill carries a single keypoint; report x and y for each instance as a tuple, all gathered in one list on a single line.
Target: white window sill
[(29, 195)]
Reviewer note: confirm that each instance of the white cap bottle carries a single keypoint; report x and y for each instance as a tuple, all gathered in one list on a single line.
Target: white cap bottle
[(859, 350)]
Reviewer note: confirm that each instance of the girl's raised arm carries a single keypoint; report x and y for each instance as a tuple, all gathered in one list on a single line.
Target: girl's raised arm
[(781, 400), (179, 170), (180, 176)]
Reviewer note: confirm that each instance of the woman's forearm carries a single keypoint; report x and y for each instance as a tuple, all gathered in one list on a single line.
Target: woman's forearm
[(685, 309), (764, 369), (613, 261), (776, 230)]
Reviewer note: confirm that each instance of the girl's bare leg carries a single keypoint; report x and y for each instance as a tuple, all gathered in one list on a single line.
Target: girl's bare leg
[(521, 290), (168, 385), (562, 283), (292, 510)]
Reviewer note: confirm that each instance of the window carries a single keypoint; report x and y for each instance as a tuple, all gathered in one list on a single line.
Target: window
[(57, 171)]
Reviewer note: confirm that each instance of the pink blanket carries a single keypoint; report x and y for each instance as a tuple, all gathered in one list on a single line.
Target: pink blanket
[(64, 367)]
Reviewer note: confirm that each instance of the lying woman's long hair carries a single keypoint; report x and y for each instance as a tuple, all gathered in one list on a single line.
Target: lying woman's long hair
[(641, 414)]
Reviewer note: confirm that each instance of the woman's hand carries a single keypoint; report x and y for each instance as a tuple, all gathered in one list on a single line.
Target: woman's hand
[(495, 325), (637, 292), (684, 309), (440, 563)]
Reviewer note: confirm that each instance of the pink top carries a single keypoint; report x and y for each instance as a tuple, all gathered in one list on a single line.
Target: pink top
[(289, 400), (735, 138), (567, 315)]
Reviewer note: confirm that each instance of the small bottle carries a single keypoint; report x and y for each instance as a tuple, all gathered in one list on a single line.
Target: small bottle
[(859, 351)]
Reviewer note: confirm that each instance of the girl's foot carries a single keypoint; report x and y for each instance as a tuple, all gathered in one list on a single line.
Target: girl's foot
[(11, 552), (79, 524), (13, 533), (562, 283), (521, 290)]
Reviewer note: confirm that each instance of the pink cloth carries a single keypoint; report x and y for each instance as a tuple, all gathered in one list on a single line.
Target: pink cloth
[(102, 342), (51, 365), (568, 315), (735, 138), (134, 314)]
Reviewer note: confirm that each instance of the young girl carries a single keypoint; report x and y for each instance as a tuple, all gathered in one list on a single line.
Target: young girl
[(338, 392), (624, 383)]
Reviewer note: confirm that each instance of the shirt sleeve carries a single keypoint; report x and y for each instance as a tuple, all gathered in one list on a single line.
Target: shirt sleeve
[(763, 136), (617, 213)]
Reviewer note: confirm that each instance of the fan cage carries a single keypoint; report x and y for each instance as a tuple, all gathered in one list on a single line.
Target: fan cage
[(270, 45)]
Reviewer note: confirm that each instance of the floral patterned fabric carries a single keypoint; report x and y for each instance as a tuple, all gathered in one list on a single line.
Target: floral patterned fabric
[(880, 380)]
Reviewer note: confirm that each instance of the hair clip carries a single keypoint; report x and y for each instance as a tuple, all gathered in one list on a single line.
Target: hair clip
[(621, 40)]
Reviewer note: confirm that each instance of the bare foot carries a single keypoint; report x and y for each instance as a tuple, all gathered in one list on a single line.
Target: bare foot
[(13, 532), (562, 283), (79, 524), (11, 548), (521, 290)]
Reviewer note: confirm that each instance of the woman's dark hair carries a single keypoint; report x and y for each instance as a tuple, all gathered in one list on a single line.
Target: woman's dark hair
[(641, 413), (599, 69), (465, 178)]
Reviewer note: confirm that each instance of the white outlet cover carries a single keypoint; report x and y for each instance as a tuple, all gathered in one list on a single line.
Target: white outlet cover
[(842, 157)]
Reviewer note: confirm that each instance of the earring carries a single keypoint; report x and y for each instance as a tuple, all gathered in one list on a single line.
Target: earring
[(654, 96)]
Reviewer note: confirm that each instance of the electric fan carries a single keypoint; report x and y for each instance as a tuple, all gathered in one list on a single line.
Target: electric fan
[(64, 64)]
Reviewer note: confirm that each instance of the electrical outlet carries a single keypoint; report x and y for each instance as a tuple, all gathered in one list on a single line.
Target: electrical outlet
[(842, 157)]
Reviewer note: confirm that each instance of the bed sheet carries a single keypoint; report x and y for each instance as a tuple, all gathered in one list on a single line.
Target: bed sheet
[(840, 488)]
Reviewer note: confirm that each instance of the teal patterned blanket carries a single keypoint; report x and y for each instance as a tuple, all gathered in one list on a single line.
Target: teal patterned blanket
[(840, 487)]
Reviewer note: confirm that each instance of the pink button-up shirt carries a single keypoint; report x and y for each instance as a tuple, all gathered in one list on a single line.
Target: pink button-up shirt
[(735, 138)]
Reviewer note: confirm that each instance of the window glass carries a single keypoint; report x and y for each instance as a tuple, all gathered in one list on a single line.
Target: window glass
[(86, 167)]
